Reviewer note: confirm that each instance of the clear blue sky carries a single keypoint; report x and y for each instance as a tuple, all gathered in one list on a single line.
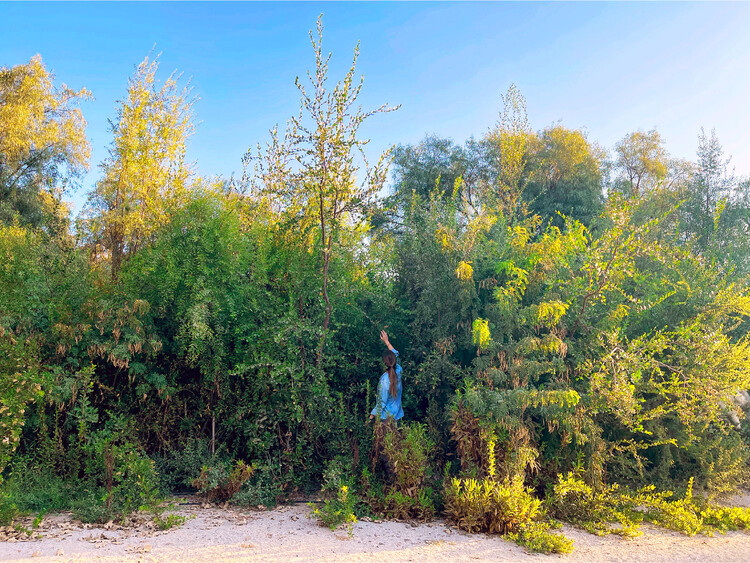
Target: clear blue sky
[(609, 68)]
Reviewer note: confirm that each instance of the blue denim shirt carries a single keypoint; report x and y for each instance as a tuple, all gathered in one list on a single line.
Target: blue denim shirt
[(388, 405)]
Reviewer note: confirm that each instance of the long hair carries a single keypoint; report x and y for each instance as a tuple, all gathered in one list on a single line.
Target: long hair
[(389, 359)]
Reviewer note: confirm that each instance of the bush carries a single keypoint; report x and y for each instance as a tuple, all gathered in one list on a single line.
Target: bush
[(491, 506), (595, 510), (8, 509), (177, 468), (219, 483), (405, 453), (171, 521), (537, 537), (337, 511)]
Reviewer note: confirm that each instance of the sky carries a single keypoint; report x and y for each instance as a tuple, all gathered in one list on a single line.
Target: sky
[(607, 68)]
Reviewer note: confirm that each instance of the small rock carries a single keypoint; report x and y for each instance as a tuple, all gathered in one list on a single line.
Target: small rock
[(60, 552), (36, 554)]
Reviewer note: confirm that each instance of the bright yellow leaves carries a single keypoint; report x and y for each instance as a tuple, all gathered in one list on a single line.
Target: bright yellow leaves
[(549, 314), (36, 117), (464, 272), (480, 330), (146, 173)]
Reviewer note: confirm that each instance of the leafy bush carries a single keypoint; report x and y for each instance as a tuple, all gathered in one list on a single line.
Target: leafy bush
[(576, 502), (220, 483), (177, 468), (537, 537), (490, 506), (171, 521), (337, 511), (595, 510), (406, 453), (262, 490), (8, 509), (128, 484)]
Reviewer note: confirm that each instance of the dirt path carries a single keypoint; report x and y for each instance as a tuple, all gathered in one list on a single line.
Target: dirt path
[(286, 534)]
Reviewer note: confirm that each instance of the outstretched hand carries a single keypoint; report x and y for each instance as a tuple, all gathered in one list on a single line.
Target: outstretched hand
[(384, 338)]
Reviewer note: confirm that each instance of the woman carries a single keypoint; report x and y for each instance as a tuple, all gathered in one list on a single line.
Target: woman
[(389, 388)]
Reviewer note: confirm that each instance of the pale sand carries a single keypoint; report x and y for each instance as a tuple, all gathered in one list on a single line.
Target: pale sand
[(286, 534)]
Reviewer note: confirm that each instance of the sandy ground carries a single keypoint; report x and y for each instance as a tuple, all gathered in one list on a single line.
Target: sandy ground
[(286, 534)]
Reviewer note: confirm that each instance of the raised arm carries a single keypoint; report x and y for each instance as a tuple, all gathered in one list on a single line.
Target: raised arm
[(384, 338)]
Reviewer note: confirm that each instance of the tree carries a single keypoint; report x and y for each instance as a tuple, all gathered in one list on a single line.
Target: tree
[(311, 174), (642, 162), (146, 171), (565, 176), (43, 145), (508, 154)]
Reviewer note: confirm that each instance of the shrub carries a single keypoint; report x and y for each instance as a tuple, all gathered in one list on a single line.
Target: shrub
[(171, 521), (260, 491), (490, 506), (576, 502), (219, 483), (337, 511), (177, 468), (537, 537), (127, 484), (8, 509), (406, 454), (596, 509)]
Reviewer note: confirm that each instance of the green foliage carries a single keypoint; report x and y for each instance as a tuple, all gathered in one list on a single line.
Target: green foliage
[(263, 490), (490, 506), (536, 536), (595, 510), (543, 330), (405, 451), (576, 502), (8, 509), (171, 521), (222, 481), (337, 511)]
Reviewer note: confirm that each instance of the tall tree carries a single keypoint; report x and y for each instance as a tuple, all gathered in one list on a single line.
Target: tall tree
[(641, 162), (43, 145), (508, 146), (312, 173), (566, 176), (146, 171)]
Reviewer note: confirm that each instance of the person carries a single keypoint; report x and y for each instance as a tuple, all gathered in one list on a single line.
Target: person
[(389, 387)]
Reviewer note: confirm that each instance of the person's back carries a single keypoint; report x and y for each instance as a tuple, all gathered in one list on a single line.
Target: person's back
[(389, 386)]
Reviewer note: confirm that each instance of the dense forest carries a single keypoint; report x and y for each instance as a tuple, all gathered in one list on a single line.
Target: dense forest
[(572, 321)]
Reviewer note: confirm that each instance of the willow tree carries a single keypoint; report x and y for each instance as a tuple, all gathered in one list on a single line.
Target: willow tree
[(43, 145), (318, 173), (146, 171)]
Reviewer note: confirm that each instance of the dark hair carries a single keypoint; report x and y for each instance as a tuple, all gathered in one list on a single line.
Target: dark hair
[(389, 358)]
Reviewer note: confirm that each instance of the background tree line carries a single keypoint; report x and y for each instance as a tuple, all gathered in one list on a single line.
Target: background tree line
[(558, 308)]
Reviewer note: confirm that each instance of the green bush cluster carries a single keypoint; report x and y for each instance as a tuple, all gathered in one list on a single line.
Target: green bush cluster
[(597, 510), (405, 454), (223, 480), (552, 320), (491, 506)]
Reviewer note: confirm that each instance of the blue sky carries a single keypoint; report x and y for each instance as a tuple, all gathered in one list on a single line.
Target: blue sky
[(610, 68)]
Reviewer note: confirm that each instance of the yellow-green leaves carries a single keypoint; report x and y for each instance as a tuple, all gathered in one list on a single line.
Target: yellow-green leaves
[(36, 117), (43, 145), (146, 174), (464, 271), (480, 330)]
